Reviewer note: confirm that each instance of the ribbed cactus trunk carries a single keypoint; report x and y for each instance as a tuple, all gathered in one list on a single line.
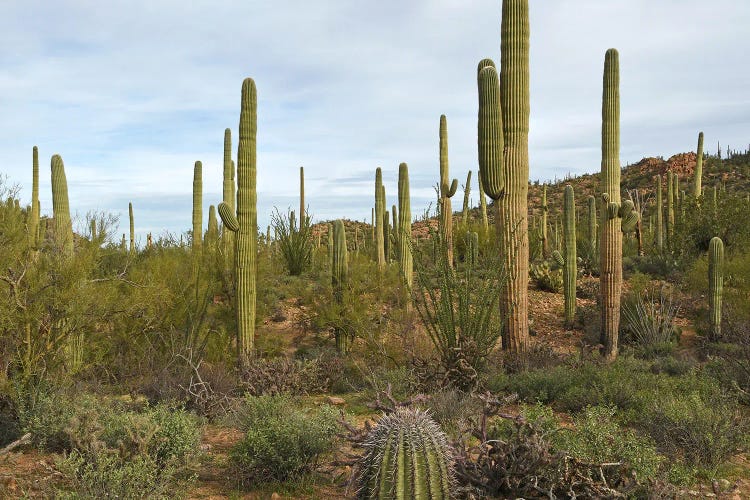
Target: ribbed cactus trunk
[(212, 234), (35, 208), (379, 211), (61, 207), (545, 211), (302, 211), (698, 178), (513, 211), (387, 242), (483, 208), (611, 229), (670, 209), (132, 228), (447, 190), (568, 258), (404, 226), (659, 216), (245, 224), (197, 205), (715, 284), (465, 208), (592, 222), (330, 247), (339, 276), (228, 197), (394, 219)]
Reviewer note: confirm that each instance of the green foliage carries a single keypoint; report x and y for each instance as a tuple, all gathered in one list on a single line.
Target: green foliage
[(281, 442), (295, 241), (546, 278), (649, 320)]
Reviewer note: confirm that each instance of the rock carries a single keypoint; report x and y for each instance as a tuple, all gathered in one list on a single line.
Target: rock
[(335, 401), (275, 496)]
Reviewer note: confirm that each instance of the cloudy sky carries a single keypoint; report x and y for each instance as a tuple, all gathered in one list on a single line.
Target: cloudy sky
[(131, 93)]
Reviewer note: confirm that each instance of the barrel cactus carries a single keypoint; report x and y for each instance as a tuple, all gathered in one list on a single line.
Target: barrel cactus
[(568, 258), (715, 284), (245, 222), (407, 456)]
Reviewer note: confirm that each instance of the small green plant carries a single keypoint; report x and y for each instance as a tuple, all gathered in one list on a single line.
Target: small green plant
[(545, 278), (650, 320), (295, 241), (281, 441)]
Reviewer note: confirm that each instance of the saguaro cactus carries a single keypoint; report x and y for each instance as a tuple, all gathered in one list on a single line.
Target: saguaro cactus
[(197, 205), (513, 211), (490, 140), (447, 190), (61, 207), (483, 208), (245, 224), (212, 234), (659, 216), (671, 195), (592, 222), (387, 240), (568, 259), (227, 236), (465, 209), (545, 210), (698, 179), (379, 211), (132, 228), (715, 284), (302, 211), (35, 209), (404, 225), (611, 228), (339, 275), (407, 456)]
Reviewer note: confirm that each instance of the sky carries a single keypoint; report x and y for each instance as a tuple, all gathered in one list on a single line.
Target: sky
[(132, 93)]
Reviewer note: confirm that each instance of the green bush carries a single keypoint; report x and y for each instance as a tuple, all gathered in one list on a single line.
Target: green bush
[(281, 442)]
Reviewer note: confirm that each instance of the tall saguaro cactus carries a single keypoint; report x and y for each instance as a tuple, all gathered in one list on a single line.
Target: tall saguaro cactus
[(379, 212), (339, 275), (132, 228), (404, 225), (671, 195), (715, 284), (483, 208), (698, 179), (34, 219), (447, 190), (245, 223), (302, 211), (568, 259), (212, 233), (465, 208), (545, 211), (197, 205), (659, 216), (611, 227), (61, 207), (514, 237), (227, 236), (592, 222)]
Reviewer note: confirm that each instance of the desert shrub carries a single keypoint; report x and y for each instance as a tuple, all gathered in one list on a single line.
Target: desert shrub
[(286, 376), (294, 241), (452, 409), (704, 432), (281, 441), (649, 319)]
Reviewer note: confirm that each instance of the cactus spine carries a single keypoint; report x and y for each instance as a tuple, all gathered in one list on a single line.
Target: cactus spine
[(34, 219), (339, 275), (227, 237), (568, 259), (302, 210), (61, 207), (197, 205), (659, 216), (465, 210), (404, 225), (379, 211), (513, 217), (407, 456), (592, 222), (245, 224), (611, 228), (132, 228), (447, 190), (715, 284), (699, 168)]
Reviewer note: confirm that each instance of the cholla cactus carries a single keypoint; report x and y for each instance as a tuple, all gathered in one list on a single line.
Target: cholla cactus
[(407, 456)]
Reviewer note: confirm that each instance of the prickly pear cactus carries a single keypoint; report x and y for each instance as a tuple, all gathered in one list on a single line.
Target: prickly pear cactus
[(407, 456)]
